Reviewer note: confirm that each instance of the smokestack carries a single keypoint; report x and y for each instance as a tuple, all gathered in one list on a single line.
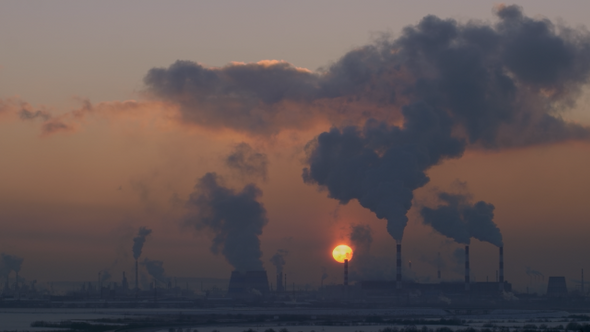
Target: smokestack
[(438, 266), (467, 268), (501, 273), (398, 278), (346, 272), (136, 278)]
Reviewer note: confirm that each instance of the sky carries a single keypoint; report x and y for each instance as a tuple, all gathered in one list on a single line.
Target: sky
[(108, 143)]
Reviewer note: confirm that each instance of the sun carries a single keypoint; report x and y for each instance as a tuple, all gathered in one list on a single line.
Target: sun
[(342, 252)]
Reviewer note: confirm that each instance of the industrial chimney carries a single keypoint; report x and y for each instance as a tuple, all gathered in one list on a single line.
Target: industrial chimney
[(466, 268), (346, 273), (501, 273), (136, 279), (438, 267), (398, 278)]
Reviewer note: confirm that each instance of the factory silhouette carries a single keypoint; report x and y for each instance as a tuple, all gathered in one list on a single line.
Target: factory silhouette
[(255, 288)]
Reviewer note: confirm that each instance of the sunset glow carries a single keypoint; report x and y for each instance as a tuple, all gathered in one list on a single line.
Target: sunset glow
[(341, 253)]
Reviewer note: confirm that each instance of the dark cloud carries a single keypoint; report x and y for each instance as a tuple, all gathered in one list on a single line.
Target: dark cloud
[(139, 240), (235, 218), (25, 114), (461, 220), (501, 84), (248, 162)]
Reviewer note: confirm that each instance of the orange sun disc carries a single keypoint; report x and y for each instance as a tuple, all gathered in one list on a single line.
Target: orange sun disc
[(341, 253)]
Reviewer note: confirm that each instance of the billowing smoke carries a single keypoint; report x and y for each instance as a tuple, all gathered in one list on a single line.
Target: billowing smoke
[(381, 165), (155, 269), (235, 218), (502, 84), (534, 275), (461, 220), (139, 240), (248, 162), (278, 260), (11, 263)]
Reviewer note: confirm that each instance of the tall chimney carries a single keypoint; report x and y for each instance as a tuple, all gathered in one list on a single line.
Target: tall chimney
[(346, 272), (467, 268), (501, 273), (398, 278), (438, 266), (136, 279)]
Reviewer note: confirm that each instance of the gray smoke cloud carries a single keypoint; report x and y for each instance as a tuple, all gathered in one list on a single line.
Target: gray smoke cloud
[(139, 240), (25, 114), (381, 165), (11, 263), (502, 84), (461, 220), (278, 260), (155, 268), (248, 162), (235, 218)]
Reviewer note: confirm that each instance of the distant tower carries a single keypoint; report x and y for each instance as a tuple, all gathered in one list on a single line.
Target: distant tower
[(398, 278), (501, 270), (467, 268)]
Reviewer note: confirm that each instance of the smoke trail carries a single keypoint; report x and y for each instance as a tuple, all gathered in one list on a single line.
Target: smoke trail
[(155, 269), (460, 220), (12, 262), (248, 162), (278, 260), (139, 240), (235, 218)]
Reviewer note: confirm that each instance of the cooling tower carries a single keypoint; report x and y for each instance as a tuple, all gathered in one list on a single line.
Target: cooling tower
[(467, 268), (556, 287), (398, 278)]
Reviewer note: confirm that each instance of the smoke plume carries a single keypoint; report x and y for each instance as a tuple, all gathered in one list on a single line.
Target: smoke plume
[(235, 218), (278, 260), (139, 240), (460, 220), (502, 84), (248, 162), (155, 269), (12, 262), (381, 165)]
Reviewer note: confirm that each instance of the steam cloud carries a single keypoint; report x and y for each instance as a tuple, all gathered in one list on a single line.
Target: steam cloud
[(139, 240), (248, 162), (235, 218), (460, 220), (155, 268), (278, 260)]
